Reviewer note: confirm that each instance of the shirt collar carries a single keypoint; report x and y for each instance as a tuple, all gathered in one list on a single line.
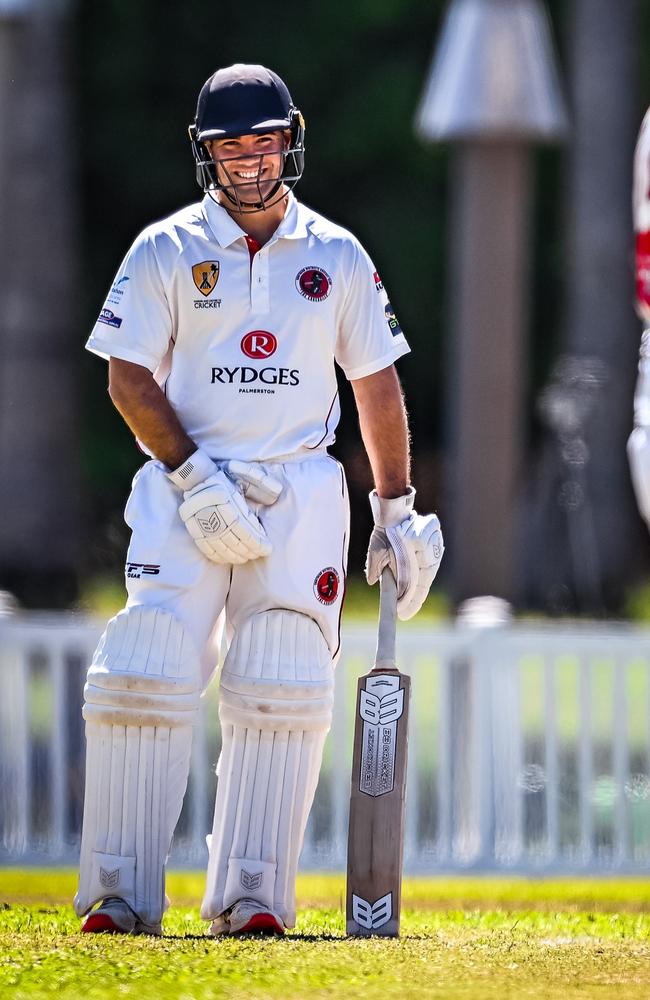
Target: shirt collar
[(226, 230)]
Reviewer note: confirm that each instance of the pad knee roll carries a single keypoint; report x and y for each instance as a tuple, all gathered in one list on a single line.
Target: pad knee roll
[(142, 698), (278, 675)]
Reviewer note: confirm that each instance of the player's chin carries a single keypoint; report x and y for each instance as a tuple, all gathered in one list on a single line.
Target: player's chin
[(257, 191)]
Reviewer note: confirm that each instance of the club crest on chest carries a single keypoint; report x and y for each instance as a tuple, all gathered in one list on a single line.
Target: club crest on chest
[(205, 276)]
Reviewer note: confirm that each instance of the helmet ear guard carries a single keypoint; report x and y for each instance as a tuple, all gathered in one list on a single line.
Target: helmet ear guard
[(206, 169), (296, 148)]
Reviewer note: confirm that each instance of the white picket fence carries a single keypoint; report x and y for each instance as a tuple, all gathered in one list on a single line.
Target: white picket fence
[(529, 748)]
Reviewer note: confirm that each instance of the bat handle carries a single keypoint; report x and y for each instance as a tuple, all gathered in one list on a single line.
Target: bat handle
[(385, 658)]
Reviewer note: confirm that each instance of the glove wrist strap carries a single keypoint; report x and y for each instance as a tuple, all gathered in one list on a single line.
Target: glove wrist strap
[(389, 512), (194, 470)]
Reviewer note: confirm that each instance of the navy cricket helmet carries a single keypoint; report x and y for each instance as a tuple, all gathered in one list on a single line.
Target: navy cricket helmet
[(244, 100)]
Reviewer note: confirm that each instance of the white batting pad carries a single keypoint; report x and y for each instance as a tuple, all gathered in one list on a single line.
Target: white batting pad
[(142, 698), (277, 689)]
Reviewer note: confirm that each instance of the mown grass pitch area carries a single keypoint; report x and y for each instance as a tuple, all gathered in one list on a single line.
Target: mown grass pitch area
[(461, 938)]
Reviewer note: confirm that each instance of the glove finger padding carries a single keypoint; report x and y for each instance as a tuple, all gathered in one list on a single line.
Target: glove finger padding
[(255, 484), (380, 555), (413, 549), (220, 522), (421, 539)]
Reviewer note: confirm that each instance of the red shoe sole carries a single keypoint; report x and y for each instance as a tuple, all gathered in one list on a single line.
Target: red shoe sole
[(100, 923), (262, 923)]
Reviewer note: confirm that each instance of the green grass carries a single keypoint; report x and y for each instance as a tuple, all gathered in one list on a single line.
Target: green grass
[(461, 938)]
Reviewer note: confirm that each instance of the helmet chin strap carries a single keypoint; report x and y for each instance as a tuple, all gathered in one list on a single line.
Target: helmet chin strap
[(252, 206)]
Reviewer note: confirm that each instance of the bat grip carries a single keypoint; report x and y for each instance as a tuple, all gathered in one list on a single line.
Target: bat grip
[(385, 658)]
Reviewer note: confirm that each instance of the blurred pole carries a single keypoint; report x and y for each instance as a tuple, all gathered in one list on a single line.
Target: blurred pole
[(39, 336), (489, 264), (588, 544), (493, 92), (601, 324)]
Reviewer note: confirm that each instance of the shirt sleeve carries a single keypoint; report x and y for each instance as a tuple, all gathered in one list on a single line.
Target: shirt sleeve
[(135, 323), (369, 336)]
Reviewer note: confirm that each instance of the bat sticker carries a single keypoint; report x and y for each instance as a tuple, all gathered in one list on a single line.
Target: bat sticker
[(380, 713), (372, 916)]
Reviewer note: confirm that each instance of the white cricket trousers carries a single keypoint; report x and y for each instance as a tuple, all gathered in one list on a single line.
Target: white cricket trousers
[(308, 527)]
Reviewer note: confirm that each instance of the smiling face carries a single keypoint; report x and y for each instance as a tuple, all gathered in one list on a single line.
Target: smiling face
[(249, 166)]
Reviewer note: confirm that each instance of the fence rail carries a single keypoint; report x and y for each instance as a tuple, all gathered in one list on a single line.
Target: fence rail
[(529, 747)]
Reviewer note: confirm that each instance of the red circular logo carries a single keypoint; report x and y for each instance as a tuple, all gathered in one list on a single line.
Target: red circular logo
[(326, 585), (259, 344), (313, 283)]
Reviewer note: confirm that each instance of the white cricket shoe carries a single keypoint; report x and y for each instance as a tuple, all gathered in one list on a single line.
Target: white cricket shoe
[(247, 916), (114, 916)]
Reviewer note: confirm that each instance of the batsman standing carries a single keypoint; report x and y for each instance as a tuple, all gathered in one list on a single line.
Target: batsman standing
[(638, 446), (222, 330)]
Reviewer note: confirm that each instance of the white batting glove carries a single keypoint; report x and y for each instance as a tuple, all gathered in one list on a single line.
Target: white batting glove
[(411, 544), (216, 514), (256, 485)]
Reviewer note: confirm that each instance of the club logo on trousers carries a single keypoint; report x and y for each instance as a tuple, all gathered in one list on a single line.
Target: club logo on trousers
[(259, 344), (206, 276), (251, 882), (372, 916), (313, 283), (110, 880), (326, 585), (135, 571)]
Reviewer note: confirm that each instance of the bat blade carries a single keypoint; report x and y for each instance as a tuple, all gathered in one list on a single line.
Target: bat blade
[(377, 800)]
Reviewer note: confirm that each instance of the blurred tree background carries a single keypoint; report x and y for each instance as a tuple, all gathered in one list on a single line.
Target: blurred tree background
[(357, 72)]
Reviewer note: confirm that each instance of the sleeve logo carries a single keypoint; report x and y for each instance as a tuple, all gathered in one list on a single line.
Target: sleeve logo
[(108, 316), (391, 319)]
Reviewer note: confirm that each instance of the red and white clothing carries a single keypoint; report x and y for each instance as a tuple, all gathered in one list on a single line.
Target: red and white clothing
[(245, 340), (246, 347), (245, 344)]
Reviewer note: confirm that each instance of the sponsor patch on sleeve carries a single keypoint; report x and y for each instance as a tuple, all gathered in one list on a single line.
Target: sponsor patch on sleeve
[(108, 316), (391, 319)]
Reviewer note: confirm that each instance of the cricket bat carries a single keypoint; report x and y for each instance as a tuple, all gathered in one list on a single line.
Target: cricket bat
[(378, 789)]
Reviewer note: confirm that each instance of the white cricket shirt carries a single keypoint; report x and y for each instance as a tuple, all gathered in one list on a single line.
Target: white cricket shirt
[(244, 344)]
